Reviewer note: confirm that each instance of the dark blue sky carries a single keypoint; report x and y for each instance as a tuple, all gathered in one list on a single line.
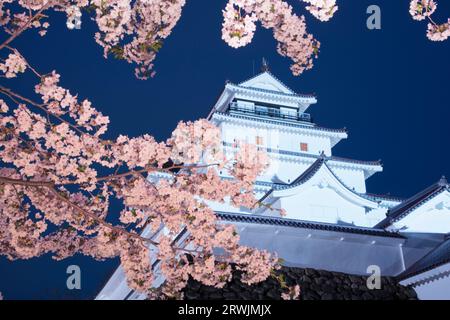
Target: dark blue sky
[(389, 87)]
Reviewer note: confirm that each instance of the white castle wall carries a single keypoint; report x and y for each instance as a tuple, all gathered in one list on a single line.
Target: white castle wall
[(275, 139), (323, 204)]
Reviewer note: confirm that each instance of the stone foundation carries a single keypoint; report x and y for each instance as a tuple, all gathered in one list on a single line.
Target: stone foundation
[(314, 284)]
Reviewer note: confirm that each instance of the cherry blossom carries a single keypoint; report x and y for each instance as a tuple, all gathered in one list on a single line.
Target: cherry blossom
[(292, 294), (58, 176), (3, 106), (288, 29), (420, 9), (135, 30), (424, 9), (13, 65), (322, 9), (440, 32)]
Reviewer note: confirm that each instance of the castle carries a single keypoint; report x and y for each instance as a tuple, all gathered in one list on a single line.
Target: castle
[(331, 222)]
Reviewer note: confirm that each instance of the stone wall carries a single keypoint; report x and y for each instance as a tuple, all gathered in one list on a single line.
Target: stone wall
[(314, 284)]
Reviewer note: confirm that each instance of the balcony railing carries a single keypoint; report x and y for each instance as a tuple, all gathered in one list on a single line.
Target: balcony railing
[(270, 112)]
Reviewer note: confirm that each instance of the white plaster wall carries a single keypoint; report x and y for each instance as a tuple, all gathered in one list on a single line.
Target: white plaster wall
[(352, 178), (433, 215), (291, 142), (288, 171), (436, 290), (324, 205), (276, 139), (375, 215), (283, 170), (265, 99), (433, 284)]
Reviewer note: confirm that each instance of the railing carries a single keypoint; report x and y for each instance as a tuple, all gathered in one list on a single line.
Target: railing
[(270, 112)]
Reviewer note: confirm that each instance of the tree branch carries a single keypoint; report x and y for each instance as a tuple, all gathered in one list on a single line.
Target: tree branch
[(25, 26)]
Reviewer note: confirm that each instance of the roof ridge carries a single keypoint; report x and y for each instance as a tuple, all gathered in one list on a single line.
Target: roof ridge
[(307, 224), (309, 173), (287, 124), (272, 75), (404, 208), (385, 196), (294, 94)]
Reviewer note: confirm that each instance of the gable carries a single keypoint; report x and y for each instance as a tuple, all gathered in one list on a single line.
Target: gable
[(318, 195), (266, 81), (320, 176), (432, 216)]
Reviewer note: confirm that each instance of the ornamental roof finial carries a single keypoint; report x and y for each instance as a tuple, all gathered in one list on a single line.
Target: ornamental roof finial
[(265, 65), (443, 181)]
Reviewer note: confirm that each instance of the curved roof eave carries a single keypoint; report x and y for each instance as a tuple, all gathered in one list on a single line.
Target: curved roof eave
[(345, 191)]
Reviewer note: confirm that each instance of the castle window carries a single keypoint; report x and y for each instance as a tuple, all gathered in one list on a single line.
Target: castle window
[(303, 146), (259, 140)]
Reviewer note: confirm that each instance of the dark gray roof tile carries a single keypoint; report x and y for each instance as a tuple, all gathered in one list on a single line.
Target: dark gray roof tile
[(276, 221), (406, 207)]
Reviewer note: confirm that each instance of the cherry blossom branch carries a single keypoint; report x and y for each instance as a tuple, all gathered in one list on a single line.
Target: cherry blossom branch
[(27, 63), (26, 25), (424, 9), (52, 141), (50, 186), (148, 170), (8, 92)]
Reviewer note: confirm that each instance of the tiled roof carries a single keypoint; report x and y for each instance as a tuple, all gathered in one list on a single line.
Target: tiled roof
[(437, 257), (291, 95), (305, 176), (308, 174), (275, 221), (315, 156), (287, 124), (406, 207), (273, 91), (366, 162), (386, 197)]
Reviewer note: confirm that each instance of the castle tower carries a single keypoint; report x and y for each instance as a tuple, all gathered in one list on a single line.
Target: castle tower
[(264, 111), (332, 223)]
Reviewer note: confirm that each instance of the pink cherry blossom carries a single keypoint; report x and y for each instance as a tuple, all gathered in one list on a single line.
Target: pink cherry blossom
[(424, 9), (3, 106), (13, 65), (322, 9), (292, 294), (438, 32), (420, 9), (288, 29), (53, 199)]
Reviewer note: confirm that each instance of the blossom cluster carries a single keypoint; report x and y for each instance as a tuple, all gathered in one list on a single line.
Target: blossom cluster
[(135, 30), (420, 9), (58, 176), (289, 29), (128, 29), (424, 9), (322, 9), (13, 65), (292, 294)]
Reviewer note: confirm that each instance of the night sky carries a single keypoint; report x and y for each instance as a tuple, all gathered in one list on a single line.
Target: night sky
[(388, 87)]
